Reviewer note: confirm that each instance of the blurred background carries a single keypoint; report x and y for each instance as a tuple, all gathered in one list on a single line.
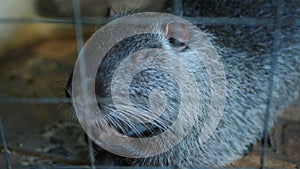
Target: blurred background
[(39, 47)]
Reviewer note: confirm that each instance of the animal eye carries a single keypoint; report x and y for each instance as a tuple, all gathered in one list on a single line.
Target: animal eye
[(176, 43)]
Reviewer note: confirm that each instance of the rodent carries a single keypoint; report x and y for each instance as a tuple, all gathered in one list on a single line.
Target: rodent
[(247, 86)]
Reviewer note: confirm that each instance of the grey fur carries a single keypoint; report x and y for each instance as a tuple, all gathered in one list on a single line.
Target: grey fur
[(248, 78)]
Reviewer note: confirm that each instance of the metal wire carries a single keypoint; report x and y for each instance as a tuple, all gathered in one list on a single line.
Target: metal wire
[(79, 40), (274, 61), (56, 100), (5, 149), (89, 21), (177, 7), (101, 20)]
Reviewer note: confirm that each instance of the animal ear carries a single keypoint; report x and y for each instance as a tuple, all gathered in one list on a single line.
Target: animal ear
[(177, 30)]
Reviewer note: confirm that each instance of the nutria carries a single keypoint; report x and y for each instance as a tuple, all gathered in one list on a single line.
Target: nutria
[(247, 86)]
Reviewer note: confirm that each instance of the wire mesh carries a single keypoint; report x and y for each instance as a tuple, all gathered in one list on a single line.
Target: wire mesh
[(177, 9)]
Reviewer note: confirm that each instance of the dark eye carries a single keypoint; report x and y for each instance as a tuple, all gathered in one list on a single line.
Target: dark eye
[(176, 43)]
